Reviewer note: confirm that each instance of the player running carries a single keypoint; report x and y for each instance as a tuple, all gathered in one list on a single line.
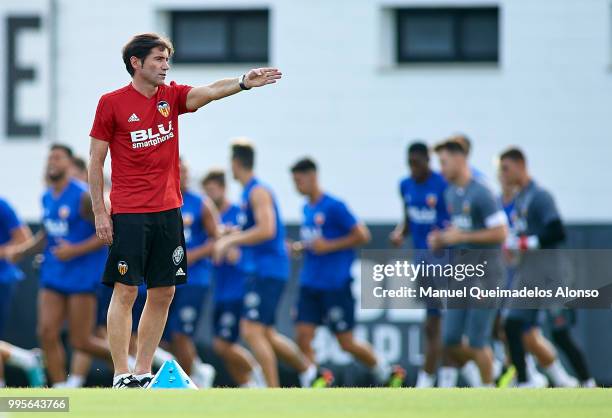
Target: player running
[(229, 292), (13, 232), (537, 225), (422, 194), (266, 261), (477, 222), (200, 219), (72, 266), (139, 124), (329, 235)]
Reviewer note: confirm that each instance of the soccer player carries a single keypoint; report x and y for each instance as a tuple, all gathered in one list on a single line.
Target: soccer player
[(477, 222), (328, 238), (422, 194), (229, 292), (13, 232), (200, 219), (139, 124), (266, 261), (72, 266), (537, 225)]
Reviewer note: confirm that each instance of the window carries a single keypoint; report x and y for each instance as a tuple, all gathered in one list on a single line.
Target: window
[(448, 35), (220, 36)]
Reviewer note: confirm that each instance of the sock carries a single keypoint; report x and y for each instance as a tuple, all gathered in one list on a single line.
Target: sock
[(2, 383), (131, 363), (447, 377), (21, 358), (308, 376), (382, 371), (142, 376), (514, 335), (559, 376), (565, 342), (498, 368), (75, 381), (471, 374), (59, 385), (425, 380), (258, 376), (161, 356), (118, 377)]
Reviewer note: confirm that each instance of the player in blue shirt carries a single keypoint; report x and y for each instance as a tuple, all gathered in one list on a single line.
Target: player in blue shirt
[(200, 219), (422, 195), (267, 264), (229, 292), (13, 232), (328, 238), (74, 260)]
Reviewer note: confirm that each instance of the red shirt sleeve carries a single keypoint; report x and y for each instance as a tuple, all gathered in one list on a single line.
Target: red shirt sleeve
[(181, 97), (104, 124)]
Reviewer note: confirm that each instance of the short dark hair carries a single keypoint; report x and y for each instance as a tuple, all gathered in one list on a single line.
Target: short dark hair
[(418, 147), (79, 163), (141, 45), (304, 165), (244, 153), (514, 154), (451, 146), (463, 140), (215, 175), (64, 148)]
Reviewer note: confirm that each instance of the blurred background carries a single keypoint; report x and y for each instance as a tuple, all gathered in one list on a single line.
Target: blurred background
[(362, 79)]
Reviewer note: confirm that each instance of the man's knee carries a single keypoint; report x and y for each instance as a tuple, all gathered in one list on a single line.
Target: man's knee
[(47, 332), (161, 295), (252, 331), (124, 295), (346, 341), (79, 342)]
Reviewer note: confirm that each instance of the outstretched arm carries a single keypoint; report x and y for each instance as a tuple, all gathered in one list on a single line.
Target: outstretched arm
[(258, 77)]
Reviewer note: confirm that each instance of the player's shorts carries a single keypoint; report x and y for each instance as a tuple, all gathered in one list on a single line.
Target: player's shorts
[(185, 310), (6, 294), (104, 295), (147, 248), (226, 319), (261, 299), (332, 308), (475, 324), (90, 289)]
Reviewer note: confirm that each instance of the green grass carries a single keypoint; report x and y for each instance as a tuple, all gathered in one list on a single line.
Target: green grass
[(336, 403)]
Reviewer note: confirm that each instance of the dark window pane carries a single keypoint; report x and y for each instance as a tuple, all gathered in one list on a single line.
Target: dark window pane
[(428, 36), (480, 35), (251, 37), (201, 37)]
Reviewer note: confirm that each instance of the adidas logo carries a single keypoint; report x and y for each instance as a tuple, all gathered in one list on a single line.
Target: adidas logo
[(180, 272), (133, 118)]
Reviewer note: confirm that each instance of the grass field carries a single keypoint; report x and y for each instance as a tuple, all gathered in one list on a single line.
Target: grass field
[(336, 403)]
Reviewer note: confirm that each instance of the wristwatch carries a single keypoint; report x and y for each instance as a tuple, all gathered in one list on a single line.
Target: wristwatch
[(241, 82)]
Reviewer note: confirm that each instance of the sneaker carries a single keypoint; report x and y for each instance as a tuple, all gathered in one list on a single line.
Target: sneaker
[(324, 379), (398, 375), (145, 381), (203, 375), (127, 382), (506, 377), (36, 374)]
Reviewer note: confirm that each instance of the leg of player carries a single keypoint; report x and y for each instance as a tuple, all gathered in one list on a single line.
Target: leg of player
[(287, 351), (119, 327), (238, 362), (542, 349), (52, 312), (81, 321), (254, 334), (79, 369), (151, 327), (433, 351), (304, 335), (30, 361)]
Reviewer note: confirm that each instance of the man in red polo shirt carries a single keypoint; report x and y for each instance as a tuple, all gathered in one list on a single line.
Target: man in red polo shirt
[(139, 124)]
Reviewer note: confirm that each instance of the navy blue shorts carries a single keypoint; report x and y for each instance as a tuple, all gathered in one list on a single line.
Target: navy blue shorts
[(332, 308), (6, 294), (261, 299), (226, 319), (185, 310)]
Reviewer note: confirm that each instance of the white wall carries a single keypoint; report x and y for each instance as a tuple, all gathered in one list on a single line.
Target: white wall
[(345, 103)]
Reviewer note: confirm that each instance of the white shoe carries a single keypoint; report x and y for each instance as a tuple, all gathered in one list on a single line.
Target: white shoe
[(589, 383), (203, 376)]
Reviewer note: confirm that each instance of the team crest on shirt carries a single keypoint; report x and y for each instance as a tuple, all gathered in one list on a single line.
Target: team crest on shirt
[(164, 108), (431, 200), (63, 212), (177, 255), (188, 219), (319, 218), (122, 267)]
